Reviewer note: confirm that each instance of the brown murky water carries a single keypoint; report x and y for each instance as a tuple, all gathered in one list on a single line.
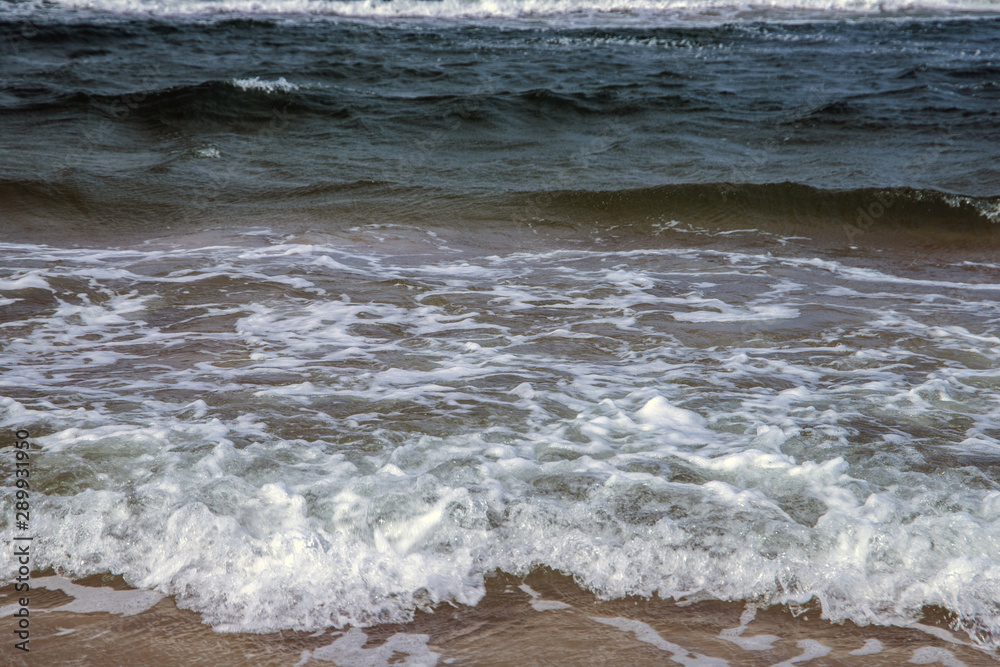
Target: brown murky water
[(541, 619)]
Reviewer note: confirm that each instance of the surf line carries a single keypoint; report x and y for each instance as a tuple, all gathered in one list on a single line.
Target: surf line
[(22, 542)]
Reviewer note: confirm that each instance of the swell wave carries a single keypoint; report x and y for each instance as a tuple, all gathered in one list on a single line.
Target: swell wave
[(782, 208), (784, 203), (248, 99), (258, 99)]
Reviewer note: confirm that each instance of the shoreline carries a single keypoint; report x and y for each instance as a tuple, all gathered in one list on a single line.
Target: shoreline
[(542, 618)]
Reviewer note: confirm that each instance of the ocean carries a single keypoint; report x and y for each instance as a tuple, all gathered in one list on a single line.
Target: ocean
[(500, 332)]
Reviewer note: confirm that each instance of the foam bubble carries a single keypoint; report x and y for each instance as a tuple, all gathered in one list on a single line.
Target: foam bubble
[(29, 280), (349, 650), (755, 643), (929, 655), (89, 599), (646, 634), (256, 83), (811, 649), (871, 647), (728, 313), (479, 9), (292, 459), (539, 604)]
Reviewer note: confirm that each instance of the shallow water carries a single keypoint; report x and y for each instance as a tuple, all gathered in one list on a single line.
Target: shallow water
[(539, 619), (764, 426)]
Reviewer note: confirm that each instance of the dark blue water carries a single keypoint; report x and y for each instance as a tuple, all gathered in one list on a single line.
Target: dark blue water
[(122, 117)]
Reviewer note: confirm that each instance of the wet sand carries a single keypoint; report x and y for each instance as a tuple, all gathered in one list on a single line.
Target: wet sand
[(541, 619)]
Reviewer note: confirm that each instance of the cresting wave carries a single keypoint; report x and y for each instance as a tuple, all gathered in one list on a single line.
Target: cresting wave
[(293, 432), (243, 104), (787, 204), (466, 9), (786, 208)]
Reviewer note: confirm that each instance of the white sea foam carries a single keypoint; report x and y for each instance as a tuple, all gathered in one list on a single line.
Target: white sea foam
[(940, 633), (28, 280), (263, 85), (538, 604), (90, 599), (932, 655), (871, 647), (349, 650), (617, 10), (357, 434), (754, 643), (646, 634), (727, 313), (811, 649)]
